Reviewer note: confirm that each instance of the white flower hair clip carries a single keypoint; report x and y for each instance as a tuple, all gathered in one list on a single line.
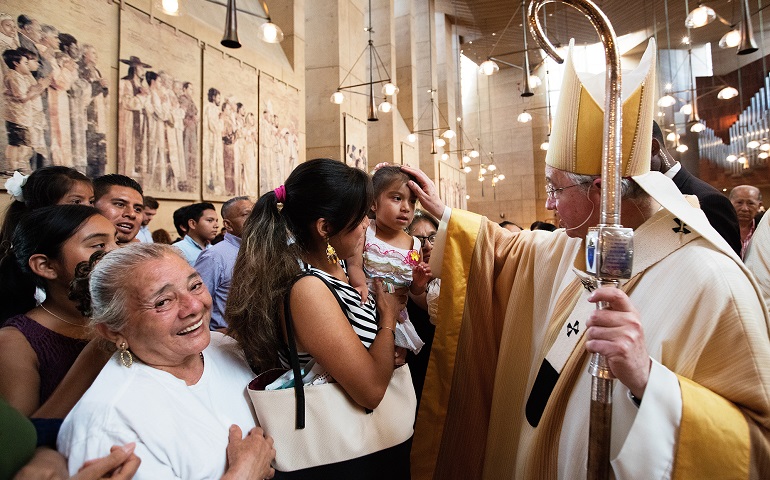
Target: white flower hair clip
[(14, 185)]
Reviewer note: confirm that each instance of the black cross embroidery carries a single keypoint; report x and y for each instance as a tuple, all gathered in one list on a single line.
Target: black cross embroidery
[(680, 228), (573, 328)]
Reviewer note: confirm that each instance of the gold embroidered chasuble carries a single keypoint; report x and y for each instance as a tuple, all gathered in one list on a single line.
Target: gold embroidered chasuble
[(504, 300)]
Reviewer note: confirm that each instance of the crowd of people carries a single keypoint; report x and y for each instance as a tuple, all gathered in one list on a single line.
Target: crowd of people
[(126, 357), (56, 99)]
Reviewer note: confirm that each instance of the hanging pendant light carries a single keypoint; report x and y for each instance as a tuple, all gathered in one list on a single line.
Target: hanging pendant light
[(270, 32), (170, 7), (666, 101), (489, 67), (337, 98), (524, 117), (697, 127), (727, 93), (730, 39), (700, 17), (389, 89)]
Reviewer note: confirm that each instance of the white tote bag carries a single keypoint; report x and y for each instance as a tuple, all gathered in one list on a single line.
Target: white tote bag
[(336, 428), (320, 424)]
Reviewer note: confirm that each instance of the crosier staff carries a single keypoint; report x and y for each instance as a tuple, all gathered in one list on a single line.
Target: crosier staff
[(609, 246)]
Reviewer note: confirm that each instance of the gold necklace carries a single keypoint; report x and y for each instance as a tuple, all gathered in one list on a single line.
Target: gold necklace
[(63, 320)]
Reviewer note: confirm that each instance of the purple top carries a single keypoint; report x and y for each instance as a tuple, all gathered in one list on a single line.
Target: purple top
[(55, 352)]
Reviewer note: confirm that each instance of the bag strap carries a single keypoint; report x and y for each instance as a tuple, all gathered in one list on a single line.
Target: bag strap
[(299, 388)]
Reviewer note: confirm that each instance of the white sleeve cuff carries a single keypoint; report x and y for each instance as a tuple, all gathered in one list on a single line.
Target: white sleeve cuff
[(648, 449), (437, 255)]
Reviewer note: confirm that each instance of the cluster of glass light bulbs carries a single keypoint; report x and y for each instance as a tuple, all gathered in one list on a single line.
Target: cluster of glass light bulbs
[(389, 89), (441, 141), (764, 153)]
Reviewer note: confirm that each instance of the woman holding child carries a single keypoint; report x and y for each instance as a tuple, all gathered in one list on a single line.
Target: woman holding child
[(318, 217)]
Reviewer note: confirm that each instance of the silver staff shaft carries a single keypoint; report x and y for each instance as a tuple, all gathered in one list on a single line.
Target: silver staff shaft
[(612, 244)]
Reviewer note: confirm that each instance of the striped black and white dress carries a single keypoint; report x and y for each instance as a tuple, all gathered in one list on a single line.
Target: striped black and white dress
[(363, 318)]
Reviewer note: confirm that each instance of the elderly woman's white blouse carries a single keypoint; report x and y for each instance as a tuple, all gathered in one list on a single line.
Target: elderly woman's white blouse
[(180, 431)]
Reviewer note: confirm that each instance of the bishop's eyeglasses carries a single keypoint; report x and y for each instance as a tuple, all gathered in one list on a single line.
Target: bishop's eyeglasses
[(551, 192)]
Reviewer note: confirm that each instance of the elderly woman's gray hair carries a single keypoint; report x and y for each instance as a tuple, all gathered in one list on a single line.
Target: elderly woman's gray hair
[(107, 285)]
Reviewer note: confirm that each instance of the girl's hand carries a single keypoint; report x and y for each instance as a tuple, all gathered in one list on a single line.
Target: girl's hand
[(363, 290), (421, 275)]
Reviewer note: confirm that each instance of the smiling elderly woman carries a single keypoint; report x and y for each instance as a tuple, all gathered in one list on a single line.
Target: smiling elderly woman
[(172, 387)]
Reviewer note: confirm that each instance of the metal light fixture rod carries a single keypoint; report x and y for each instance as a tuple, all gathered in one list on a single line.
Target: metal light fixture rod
[(230, 37), (609, 235), (495, 59), (372, 105), (370, 46), (747, 45), (527, 92)]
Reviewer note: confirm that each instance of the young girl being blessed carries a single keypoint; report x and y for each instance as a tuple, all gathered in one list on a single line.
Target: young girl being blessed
[(388, 252)]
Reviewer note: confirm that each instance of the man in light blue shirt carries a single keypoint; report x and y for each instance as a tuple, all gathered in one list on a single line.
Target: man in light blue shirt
[(215, 264), (202, 226), (150, 209)]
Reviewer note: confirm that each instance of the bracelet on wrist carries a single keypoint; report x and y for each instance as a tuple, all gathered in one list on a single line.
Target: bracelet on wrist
[(387, 328)]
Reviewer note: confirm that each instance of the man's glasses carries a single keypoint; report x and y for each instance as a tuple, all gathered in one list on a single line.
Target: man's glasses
[(429, 238), (551, 192)]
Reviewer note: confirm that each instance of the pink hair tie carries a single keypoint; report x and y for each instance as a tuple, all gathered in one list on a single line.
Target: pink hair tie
[(280, 194)]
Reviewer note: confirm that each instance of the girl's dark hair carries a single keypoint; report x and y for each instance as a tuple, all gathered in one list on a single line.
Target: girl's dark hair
[(44, 187), (42, 231), (267, 262), (387, 176)]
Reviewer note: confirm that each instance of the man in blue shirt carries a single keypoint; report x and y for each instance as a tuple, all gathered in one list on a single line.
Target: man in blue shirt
[(202, 226), (150, 209), (215, 264)]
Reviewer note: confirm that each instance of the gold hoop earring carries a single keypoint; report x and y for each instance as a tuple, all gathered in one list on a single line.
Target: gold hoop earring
[(331, 254), (125, 355)]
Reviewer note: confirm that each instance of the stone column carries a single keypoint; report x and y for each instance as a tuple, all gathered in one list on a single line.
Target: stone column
[(336, 37)]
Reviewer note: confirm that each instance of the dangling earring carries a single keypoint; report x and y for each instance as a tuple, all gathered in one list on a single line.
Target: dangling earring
[(331, 254), (125, 355)]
